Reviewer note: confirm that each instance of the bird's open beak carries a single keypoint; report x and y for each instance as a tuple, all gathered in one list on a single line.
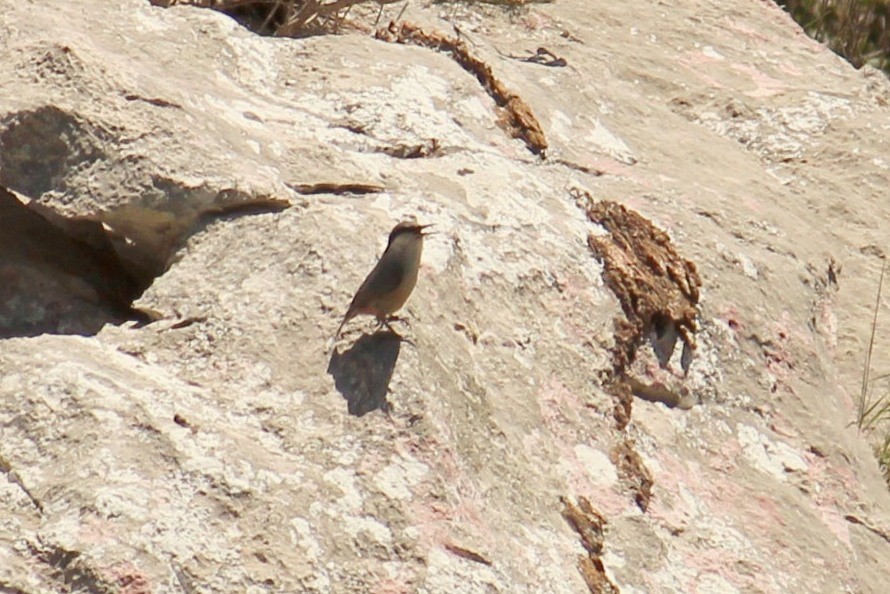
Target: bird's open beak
[(422, 227)]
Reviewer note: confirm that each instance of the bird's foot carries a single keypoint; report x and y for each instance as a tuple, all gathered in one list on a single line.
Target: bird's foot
[(388, 323), (395, 318)]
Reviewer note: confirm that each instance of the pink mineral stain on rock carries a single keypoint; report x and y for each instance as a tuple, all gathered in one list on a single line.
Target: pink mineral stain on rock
[(765, 85), (696, 62), (392, 586), (129, 579), (835, 483)]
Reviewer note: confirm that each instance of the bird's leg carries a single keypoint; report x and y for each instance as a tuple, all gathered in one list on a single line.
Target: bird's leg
[(395, 318), (381, 322)]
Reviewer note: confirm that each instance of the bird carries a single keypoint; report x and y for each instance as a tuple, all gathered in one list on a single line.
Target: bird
[(388, 286)]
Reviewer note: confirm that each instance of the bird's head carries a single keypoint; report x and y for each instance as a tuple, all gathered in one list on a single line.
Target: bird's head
[(407, 227)]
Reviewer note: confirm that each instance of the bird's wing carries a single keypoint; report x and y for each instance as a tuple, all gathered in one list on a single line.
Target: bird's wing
[(383, 280)]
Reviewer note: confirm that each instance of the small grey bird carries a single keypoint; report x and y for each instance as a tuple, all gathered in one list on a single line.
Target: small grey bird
[(388, 286)]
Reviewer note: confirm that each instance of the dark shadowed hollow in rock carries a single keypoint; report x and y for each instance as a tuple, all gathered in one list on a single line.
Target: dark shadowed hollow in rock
[(73, 274), (60, 275)]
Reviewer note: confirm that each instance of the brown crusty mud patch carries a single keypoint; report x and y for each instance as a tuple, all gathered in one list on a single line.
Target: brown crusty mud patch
[(657, 288), (590, 526), (632, 470)]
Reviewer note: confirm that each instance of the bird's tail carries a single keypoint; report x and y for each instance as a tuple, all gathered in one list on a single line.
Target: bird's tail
[(346, 318)]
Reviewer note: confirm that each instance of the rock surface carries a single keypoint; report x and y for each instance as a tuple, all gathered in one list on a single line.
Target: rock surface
[(231, 446)]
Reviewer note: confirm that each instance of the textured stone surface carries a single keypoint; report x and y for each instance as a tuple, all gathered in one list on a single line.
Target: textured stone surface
[(212, 450)]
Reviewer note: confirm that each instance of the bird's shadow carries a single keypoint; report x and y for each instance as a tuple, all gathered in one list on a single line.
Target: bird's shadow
[(362, 372)]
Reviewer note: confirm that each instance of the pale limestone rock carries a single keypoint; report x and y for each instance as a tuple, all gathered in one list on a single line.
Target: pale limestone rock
[(211, 452)]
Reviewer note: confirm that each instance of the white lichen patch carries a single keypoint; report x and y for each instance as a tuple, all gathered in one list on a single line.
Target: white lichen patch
[(367, 527), (775, 458), (397, 479), (597, 465), (344, 479)]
